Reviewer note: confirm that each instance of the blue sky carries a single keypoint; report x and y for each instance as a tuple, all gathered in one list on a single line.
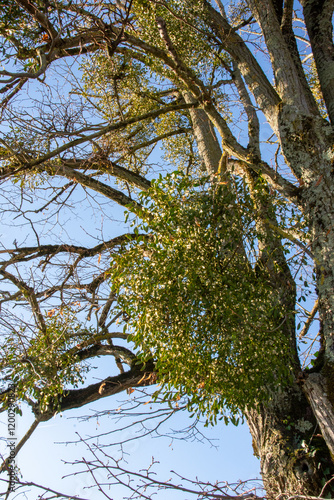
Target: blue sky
[(42, 459)]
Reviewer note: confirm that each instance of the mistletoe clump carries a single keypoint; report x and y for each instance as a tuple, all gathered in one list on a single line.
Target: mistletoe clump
[(197, 302), (43, 366)]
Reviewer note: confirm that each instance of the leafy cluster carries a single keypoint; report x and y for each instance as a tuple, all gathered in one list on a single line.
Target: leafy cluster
[(22, 34), (42, 366), (185, 25), (195, 302)]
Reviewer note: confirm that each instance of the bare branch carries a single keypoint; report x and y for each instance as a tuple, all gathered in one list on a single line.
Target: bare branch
[(30, 295), (105, 130), (21, 443), (309, 320), (28, 253), (97, 186), (39, 16)]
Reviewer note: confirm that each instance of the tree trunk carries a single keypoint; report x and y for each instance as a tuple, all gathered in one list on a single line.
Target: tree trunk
[(319, 395), (286, 437), (293, 435)]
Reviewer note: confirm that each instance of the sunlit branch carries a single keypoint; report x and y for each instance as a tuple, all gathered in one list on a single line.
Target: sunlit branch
[(38, 15), (309, 320), (112, 168), (253, 121), (27, 253), (105, 311), (229, 142), (151, 115), (320, 31), (95, 349), (98, 186), (138, 376), (282, 185), (255, 78)]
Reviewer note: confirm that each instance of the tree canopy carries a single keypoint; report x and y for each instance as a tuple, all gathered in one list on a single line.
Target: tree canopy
[(209, 126)]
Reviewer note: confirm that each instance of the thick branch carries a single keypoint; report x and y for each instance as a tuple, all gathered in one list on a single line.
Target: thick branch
[(229, 142), (103, 350), (28, 253), (277, 181), (136, 377), (253, 121), (38, 16), (207, 143), (111, 168), (99, 187), (290, 39), (264, 93), (288, 79), (318, 19), (151, 115)]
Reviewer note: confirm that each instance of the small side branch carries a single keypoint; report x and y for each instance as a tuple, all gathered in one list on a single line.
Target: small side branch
[(25, 438), (309, 320), (29, 293), (151, 115)]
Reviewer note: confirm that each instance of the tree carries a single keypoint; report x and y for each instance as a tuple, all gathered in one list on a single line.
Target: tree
[(240, 96)]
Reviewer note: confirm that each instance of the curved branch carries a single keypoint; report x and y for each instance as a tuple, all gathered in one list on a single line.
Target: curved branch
[(138, 376), (277, 181), (27, 253), (26, 75), (103, 350), (29, 293), (38, 16)]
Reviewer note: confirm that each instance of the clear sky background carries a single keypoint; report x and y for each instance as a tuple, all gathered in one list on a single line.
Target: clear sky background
[(43, 458)]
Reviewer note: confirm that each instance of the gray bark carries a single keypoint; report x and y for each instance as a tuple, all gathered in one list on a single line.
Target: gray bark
[(318, 18), (289, 84), (318, 394), (286, 440), (206, 139)]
